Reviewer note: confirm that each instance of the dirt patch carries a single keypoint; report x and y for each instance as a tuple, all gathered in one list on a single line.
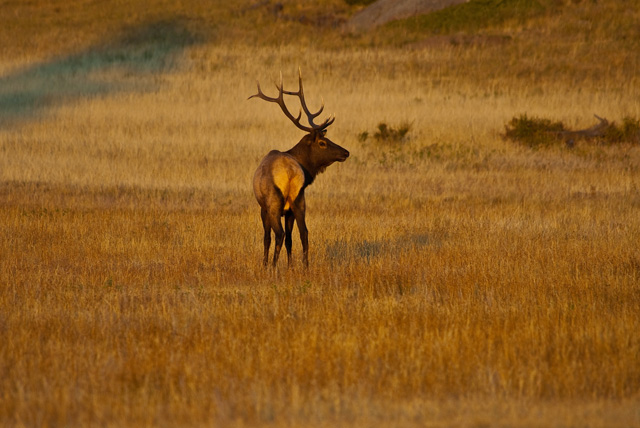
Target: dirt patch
[(383, 11)]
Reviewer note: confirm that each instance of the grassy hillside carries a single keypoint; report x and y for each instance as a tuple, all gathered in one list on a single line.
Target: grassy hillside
[(456, 278)]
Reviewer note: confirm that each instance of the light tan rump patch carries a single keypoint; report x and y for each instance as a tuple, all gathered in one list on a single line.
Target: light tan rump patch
[(289, 178)]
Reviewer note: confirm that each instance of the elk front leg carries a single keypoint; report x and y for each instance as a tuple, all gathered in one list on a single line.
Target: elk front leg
[(289, 218), (298, 212)]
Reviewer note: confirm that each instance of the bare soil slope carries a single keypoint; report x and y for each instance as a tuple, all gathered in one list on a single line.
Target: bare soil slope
[(383, 11)]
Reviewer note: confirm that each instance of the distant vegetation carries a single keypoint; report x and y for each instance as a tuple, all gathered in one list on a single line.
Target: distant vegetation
[(533, 132), (388, 134), (359, 2), (474, 15), (540, 132)]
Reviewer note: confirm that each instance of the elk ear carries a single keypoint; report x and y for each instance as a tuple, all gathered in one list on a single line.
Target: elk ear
[(312, 138), (319, 134)]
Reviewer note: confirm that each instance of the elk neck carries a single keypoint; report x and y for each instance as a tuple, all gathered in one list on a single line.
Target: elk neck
[(303, 154)]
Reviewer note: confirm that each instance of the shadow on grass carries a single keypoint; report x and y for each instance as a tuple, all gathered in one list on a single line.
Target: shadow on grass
[(133, 57), (366, 251)]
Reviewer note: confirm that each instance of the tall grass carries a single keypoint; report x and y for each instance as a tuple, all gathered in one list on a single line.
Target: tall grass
[(455, 279)]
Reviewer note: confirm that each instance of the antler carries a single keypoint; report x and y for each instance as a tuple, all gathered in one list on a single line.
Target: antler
[(300, 94)]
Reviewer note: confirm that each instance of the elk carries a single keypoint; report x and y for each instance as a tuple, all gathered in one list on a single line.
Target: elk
[(282, 177)]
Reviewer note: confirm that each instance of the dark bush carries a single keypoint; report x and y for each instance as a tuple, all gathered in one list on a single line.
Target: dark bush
[(533, 132), (536, 132), (631, 130), (388, 134), (359, 2)]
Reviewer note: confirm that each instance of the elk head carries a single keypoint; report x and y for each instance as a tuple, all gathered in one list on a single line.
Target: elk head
[(281, 178)]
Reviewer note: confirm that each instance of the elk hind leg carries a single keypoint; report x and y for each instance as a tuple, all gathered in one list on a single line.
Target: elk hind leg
[(267, 235), (272, 221), (279, 232), (289, 219)]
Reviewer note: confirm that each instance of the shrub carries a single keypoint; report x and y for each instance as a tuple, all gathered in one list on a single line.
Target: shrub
[(387, 133), (536, 132), (473, 15), (359, 2), (533, 132), (631, 130)]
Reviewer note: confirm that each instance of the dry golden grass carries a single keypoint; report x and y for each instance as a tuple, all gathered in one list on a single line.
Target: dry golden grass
[(455, 279)]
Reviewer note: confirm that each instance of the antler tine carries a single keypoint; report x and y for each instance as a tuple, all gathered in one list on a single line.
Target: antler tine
[(327, 122), (303, 103), (262, 95), (310, 116), (280, 101), (300, 94), (281, 86)]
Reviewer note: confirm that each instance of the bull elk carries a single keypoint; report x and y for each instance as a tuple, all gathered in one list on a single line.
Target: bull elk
[(282, 177)]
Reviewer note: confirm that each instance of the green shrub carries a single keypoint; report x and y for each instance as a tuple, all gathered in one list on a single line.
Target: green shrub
[(631, 130), (537, 132), (533, 132), (359, 2), (473, 15), (388, 134)]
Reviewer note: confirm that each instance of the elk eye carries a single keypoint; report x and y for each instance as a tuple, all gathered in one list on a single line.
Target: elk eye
[(322, 144)]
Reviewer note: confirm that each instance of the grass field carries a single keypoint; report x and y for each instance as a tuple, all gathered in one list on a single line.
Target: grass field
[(456, 279)]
